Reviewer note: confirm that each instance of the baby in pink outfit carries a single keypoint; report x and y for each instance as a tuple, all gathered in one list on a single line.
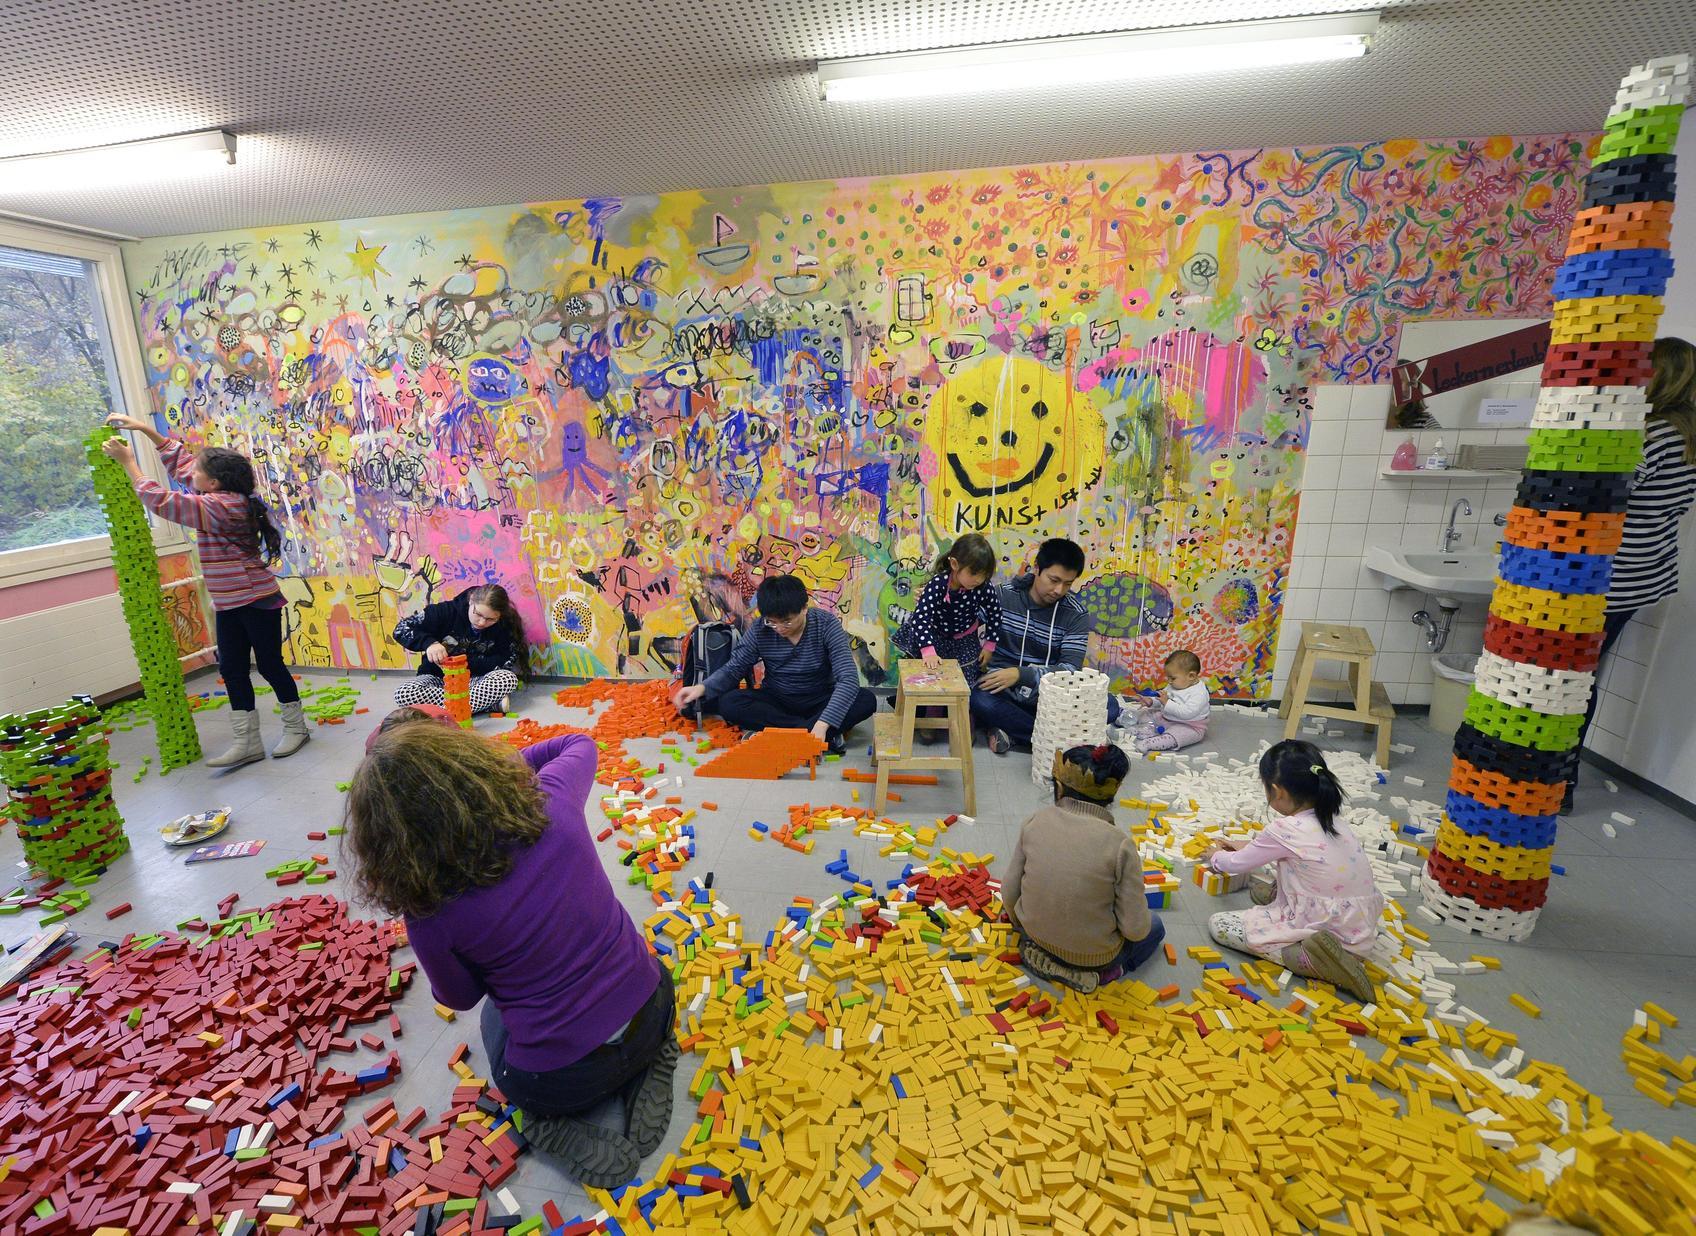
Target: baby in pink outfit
[(1322, 916), (1179, 717)]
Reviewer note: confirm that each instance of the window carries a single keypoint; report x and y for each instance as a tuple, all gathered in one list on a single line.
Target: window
[(56, 383), (63, 369)]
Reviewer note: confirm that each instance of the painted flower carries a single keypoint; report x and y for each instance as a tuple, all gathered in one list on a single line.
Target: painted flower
[(1537, 198), (1499, 147), (1400, 148)]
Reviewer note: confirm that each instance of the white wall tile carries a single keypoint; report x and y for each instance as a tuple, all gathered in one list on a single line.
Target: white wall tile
[(1341, 573), (1608, 746), (1370, 605), (1626, 679), (1388, 506), (1331, 402), (1393, 666), (1359, 473), (1400, 635), (1419, 693), (1353, 506), (1327, 438), (1366, 438), (1315, 507), (1321, 472), (1347, 539), (1370, 403), (1301, 604), (1312, 540)]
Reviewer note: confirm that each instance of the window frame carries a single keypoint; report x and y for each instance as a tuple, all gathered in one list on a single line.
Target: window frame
[(44, 562)]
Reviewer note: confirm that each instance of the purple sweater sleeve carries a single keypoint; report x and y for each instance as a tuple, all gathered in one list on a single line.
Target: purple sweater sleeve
[(452, 982), (565, 769), (1257, 853)]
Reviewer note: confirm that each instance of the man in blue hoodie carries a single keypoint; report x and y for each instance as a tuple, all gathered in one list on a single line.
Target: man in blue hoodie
[(1043, 628)]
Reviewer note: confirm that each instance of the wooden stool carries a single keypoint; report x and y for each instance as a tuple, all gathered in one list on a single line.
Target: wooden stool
[(1370, 704), (922, 686)]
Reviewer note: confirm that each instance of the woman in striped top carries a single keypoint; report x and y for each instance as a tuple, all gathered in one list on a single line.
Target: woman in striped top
[(1646, 566), (236, 539)]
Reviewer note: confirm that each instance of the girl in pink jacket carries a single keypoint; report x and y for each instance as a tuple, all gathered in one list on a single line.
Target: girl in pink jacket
[(1320, 915)]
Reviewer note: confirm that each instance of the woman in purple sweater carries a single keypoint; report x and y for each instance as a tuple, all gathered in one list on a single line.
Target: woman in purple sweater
[(487, 855)]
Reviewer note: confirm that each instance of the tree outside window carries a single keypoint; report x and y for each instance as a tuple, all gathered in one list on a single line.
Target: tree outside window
[(56, 383)]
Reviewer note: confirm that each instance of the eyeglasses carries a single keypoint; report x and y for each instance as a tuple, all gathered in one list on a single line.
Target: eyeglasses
[(779, 624)]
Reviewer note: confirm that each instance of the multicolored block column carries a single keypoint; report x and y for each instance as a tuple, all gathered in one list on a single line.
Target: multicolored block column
[(143, 600), (456, 689), (58, 774), (1518, 748)]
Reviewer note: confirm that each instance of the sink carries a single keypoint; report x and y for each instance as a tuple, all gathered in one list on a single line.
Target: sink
[(1461, 575)]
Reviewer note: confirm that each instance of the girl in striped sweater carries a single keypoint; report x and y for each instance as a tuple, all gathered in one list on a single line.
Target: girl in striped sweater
[(236, 539)]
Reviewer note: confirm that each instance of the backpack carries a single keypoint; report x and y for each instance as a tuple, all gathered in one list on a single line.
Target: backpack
[(708, 651)]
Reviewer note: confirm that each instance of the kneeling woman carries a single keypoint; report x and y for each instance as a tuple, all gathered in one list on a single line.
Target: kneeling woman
[(487, 855), (482, 624)]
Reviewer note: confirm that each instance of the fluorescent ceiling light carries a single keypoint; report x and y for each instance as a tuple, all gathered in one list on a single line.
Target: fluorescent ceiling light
[(1127, 57), (93, 167)]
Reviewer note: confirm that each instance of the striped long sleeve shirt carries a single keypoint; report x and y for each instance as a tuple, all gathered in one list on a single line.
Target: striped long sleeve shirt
[(235, 575), (819, 658), (1646, 566)]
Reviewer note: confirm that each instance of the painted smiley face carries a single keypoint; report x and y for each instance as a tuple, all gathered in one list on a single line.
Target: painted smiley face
[(1009, 428)]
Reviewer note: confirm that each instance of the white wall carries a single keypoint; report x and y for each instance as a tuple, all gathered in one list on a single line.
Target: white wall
[(1347, 505), (1646, 720)]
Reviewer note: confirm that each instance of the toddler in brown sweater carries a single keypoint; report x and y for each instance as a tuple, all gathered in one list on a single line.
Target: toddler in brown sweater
[(1074, 885)]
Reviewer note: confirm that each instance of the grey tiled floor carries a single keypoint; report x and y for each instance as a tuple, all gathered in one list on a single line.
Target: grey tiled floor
[(1620, 927)]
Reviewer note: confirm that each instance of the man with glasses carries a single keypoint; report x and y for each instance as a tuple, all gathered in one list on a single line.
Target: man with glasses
[(810, 682)]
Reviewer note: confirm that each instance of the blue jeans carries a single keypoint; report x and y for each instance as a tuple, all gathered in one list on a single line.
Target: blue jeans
[(1000, 711), (1136, 952)]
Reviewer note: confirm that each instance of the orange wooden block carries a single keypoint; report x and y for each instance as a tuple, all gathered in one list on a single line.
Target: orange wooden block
[(766, 756), (865, 778), (1171, 955)]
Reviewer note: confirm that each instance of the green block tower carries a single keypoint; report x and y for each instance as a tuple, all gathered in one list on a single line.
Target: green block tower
[(143, 601), (58, 772)]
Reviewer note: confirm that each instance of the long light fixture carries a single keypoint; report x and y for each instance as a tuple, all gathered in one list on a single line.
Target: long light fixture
[(157, 158), (1074, 60)]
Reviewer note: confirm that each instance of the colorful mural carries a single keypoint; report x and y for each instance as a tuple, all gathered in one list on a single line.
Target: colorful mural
[(630, 410)]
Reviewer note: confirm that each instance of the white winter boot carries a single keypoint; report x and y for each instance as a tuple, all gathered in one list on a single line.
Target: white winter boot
[(295, 733), (246, 748)]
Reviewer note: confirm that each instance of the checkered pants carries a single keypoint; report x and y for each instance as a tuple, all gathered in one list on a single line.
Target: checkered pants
[(487, 690)]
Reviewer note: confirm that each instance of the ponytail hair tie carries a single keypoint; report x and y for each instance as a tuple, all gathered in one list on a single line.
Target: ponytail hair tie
[(1099, 753), (1316, 769)]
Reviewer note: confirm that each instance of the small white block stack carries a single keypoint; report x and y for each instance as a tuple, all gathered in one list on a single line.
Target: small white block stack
[(1070, 710)]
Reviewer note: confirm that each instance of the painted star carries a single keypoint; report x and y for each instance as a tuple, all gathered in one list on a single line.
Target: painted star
[(317, 296), (365, 259), (314, 237), (341, 304), (271, 245), (308, 263), (425, 245), (416, 282), (465, 261), (253, 270)]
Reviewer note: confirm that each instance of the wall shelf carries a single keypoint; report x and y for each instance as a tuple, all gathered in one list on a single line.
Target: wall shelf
[(1449, 474)]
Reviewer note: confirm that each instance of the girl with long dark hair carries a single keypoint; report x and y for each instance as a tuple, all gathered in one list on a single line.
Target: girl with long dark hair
[(480, 624), (237, 540)]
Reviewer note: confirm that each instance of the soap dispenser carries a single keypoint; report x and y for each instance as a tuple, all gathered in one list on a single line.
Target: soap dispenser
[(1406, 458), (1438, 459)]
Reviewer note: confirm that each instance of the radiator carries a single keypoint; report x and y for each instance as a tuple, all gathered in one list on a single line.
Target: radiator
[(77, 649)]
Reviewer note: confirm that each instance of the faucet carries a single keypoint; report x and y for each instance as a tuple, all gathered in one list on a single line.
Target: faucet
[(1451, 534)]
